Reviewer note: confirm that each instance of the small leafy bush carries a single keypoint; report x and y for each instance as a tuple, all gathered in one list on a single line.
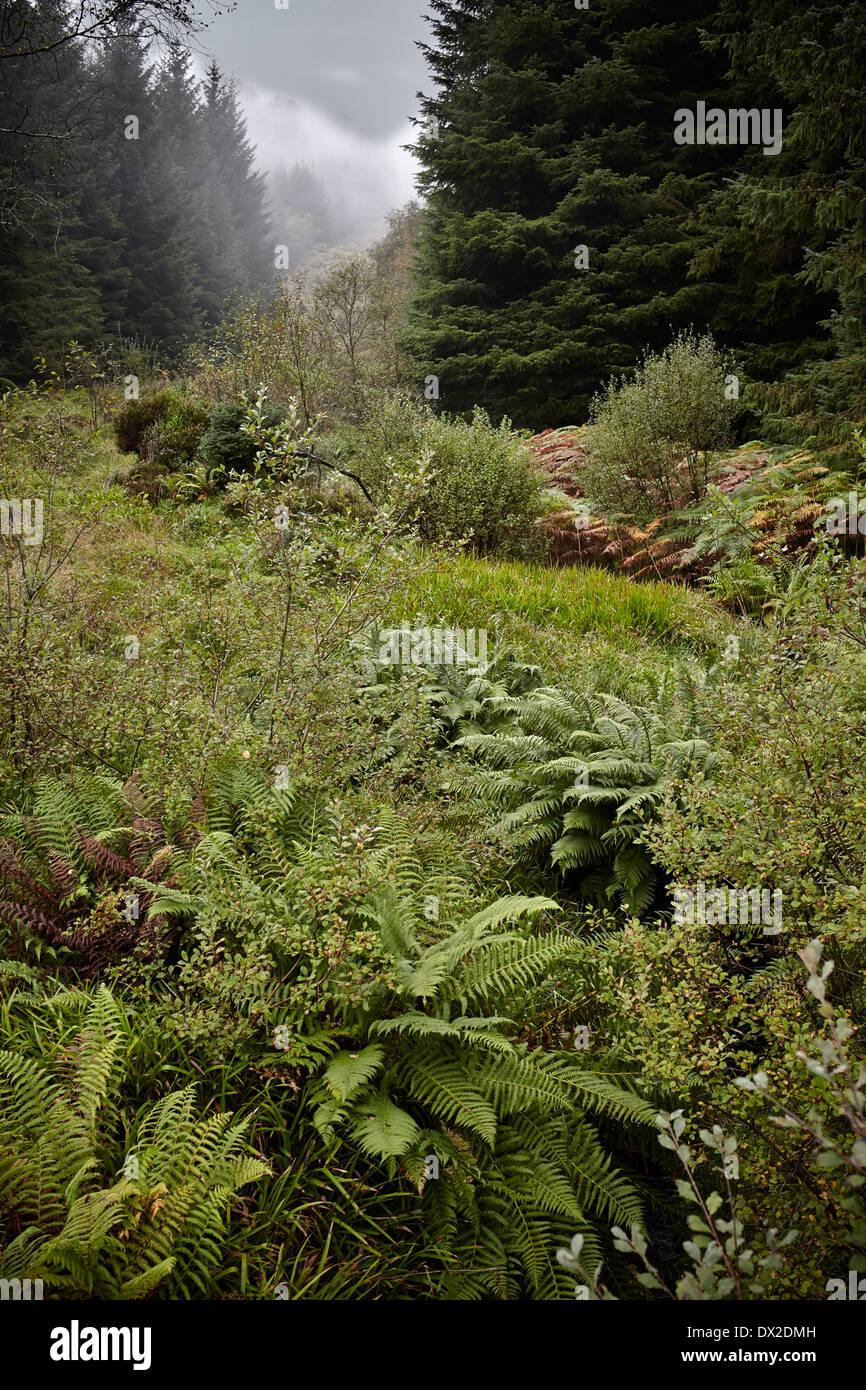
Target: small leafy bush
[(723, 1252), (652, 438), (182, 429), (840, 1080), (723, 1264), (481, 486), (227, 444), (786, 804), (164, 428), (136, 418)]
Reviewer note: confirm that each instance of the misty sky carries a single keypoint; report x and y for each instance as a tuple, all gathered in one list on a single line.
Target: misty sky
[(331, 83)]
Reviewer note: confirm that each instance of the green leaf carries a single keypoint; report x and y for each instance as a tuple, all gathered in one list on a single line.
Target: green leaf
[(830, 1160), (349, 1071), (384, 1130)]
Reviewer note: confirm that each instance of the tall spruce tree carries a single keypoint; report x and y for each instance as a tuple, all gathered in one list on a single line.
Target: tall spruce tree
[(300, 213), (243, 189), (556, 132), (47, 293), (205, 203), (811, 198), (144, 189), (129, 203)]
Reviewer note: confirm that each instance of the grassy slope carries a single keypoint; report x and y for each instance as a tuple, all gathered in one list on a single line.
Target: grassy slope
[(578, 624)]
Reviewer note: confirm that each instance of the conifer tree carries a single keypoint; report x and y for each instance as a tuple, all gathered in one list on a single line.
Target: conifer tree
[(300, 215), (129, 201), (47, 293), (205, 209), (812, 196), (563, 228), (144, 187), (248, 256)]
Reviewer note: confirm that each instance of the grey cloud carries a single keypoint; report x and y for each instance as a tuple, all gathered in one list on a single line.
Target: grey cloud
[(332, 83)]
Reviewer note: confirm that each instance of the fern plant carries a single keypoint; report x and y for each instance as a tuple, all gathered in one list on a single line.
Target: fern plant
[(753, 532), (268, 907), (577, 776), (466, 703), (87, 1231), (78, 866), (315, 958), (460, 694), (499, 1138)]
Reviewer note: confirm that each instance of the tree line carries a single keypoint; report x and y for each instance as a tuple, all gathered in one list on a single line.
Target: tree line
[(129, 200), (567, 229)]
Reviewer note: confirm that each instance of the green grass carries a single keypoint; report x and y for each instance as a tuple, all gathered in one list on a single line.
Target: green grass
[(468, 592), (576, 624)]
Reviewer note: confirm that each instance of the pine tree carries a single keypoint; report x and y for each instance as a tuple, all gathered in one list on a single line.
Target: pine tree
[(144, 187), (563, 220), (300, 213), (205, 207), (247, 251), (47, 293), (812, 196), (129, 203)]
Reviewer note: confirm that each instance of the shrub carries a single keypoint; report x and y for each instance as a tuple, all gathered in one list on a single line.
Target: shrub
[(165, 428), (481, 487), (136, 418), (391, 434), (696, 1004), (831, 1114), (723, 1262), (652, 436), (225, 443), (182, 429), (785, 806), (840, 1081), (133, 355)]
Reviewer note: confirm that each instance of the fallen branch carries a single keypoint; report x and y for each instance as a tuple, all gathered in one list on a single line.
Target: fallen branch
[(323, 463)]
